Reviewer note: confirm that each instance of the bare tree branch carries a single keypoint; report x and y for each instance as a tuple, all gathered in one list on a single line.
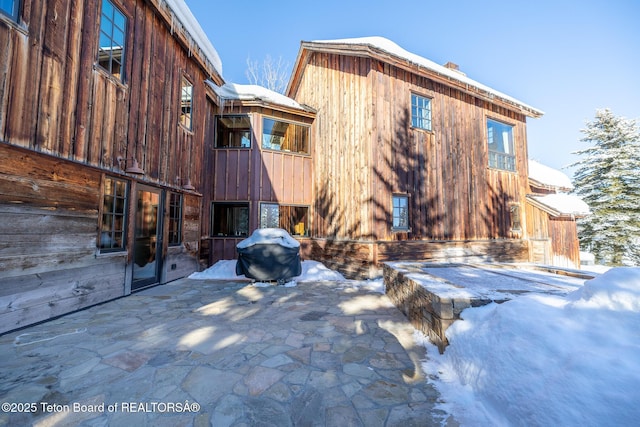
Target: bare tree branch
[(272, 74)]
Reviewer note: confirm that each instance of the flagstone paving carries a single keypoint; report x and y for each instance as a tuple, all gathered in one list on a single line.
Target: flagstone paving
[(206, 353)]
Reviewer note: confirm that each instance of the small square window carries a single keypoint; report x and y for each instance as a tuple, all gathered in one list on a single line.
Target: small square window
[(400, 213), (420, 112), (233, 132), (230, 219)]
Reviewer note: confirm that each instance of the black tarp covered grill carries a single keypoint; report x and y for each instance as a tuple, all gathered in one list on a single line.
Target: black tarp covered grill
[(269, 254)]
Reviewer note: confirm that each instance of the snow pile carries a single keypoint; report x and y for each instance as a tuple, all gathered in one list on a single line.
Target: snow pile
[(549, 177), (312, 271), (237, 92), (276, 236), (547, 360), (221, 270)]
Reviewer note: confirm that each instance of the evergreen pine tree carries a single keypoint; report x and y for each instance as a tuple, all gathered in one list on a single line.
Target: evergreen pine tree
[(608, 180)]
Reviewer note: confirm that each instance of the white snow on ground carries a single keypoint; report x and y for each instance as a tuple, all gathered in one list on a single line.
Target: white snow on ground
[(569, 359), (541, 360), (226, 270)]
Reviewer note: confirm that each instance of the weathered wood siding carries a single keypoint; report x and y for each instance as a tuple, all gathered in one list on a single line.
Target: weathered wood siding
[(49, 264), (366, 150), (57, 100), (64, 124)]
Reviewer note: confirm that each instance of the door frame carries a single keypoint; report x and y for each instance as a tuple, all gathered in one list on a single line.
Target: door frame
[(139, 284)]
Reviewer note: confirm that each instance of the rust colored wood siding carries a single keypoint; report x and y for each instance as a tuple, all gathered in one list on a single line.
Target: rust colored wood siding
[(367, 150), (55, 99)]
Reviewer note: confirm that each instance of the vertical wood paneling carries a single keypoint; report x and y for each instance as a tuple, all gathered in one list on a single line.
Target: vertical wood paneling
[(453, 194)]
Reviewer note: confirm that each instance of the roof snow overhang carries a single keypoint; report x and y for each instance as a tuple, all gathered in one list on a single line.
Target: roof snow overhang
[(390, 53), (253, 95), (560, 205)]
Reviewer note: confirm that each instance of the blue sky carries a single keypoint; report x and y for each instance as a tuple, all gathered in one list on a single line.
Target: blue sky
[(565, 57)]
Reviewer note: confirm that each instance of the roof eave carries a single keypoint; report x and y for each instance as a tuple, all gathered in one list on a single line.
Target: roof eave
[(367, 50)]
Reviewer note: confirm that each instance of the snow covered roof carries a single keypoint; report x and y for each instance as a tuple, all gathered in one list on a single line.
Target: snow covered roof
[(275, 236), (384, 45), (546, 177), (182, 13), (237, 92), (560, 204)]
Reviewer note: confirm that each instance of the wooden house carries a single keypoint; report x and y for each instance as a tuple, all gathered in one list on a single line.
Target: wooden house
[(260, 168), (103, 116), (552, 214), (412, 159)]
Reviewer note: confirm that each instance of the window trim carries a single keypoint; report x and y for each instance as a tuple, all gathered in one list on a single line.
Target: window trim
[(112, 213), (306, 126), (215, 142), (172, 219), (190, 104), (122, 77), (232, 204), (395, 228), (418, 118), (15, 16), (307, 225), (510, 157)]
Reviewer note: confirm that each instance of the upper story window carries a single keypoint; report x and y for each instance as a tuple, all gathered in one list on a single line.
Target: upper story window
[(186, 104), (111, 51), (501, 152), (175, 219), (400, 212), (285, 136), (10, 8), (420, 112), (233, 132), (114, 208)]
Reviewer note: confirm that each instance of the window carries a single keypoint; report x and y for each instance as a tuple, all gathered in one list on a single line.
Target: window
[(112, 30), (293, 219), (400, 213), (233, 132), (285, 136), (230, 219), (10, 8), (501, 153), (186, 104), (113, 225), (516, 221), (175, 219), (420, 112)]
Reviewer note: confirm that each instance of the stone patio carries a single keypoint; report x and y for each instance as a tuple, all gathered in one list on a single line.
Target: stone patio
[(205, 353)]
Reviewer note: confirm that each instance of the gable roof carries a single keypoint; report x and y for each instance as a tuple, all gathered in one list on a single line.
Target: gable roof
[(389, 52)]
